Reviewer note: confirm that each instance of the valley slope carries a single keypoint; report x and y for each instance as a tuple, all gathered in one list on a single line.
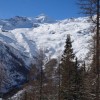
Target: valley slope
[(21, 38)]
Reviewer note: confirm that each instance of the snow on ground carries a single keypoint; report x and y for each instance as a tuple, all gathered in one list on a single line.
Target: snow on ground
[(28, 35), (50, 37)]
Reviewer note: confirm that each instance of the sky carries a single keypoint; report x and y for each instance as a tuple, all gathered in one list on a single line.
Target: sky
[(57, 9)]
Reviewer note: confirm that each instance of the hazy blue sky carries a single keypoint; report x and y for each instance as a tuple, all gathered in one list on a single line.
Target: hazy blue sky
[(57, 9)]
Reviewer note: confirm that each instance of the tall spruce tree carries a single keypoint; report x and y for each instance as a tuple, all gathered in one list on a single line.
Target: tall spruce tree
[(67, 68)]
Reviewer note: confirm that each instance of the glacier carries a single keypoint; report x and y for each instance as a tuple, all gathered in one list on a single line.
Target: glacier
[(21, 38)]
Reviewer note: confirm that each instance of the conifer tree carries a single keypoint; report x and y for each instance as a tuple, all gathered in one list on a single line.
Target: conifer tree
[(66, 68)]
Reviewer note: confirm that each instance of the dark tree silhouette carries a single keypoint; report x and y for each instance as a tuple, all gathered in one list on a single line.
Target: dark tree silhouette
[(92, 8)]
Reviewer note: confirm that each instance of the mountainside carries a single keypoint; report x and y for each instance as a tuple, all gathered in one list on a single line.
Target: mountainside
[(21, 38)]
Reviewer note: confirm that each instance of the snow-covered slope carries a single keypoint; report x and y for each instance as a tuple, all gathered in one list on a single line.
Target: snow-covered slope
[(25, 36)]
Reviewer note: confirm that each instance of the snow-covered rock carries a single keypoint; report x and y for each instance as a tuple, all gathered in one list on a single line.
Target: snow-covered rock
[(22, 37)]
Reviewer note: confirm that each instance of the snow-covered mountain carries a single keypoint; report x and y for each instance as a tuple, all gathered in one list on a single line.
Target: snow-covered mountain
[(22, 37)]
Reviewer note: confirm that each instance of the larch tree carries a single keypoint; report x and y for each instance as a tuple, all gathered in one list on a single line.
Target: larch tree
[(92, 9), (35, 79), (40, 61), (50, 87)]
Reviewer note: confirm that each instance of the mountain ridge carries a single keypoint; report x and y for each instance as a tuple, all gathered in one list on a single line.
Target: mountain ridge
[(25, 37)]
